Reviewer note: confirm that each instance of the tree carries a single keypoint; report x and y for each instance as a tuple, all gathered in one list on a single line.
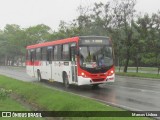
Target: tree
[(155, 37), (13, 43), (124, 14), (37, 34)]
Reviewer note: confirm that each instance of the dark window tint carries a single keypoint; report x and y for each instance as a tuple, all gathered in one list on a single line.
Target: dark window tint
[(65, 52), (49, 53), (55, 52), (59, 53), (38, 54), (44, 53)]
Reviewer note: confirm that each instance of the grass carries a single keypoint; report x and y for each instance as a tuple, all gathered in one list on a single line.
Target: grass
[(144, 72), (142, 75), (51, 99), (140, 69), (9, 104), (54, 100)]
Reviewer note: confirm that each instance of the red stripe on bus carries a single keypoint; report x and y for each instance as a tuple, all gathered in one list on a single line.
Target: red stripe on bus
[(74, 39), (35, 63)]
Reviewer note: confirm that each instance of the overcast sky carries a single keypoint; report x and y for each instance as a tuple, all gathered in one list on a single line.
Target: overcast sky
[(49, 12)]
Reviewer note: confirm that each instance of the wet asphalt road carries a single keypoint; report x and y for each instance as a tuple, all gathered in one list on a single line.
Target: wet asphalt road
[(126, 92), (16, 72)]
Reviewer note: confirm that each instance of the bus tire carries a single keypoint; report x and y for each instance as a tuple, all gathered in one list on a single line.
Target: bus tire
[(39, 76), (65, 80)]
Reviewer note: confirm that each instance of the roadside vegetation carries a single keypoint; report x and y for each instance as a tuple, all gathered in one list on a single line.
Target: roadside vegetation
[(142, 75), (9, 104), (144, 72), (141, 69), (47, 99)]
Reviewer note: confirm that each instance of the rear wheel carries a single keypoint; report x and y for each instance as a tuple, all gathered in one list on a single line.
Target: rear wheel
[(65, 80), (39, 76)]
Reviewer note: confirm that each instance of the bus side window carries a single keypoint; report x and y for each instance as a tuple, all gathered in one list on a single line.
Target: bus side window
[(73, 50), (44, 53), (55, 52), (52, 53), (65, 51), (59, 52), (49, 53), (33, 54), (38, 54)]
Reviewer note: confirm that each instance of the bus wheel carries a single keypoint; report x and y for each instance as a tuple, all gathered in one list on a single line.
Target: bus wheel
[(65, 80), (39, 76)]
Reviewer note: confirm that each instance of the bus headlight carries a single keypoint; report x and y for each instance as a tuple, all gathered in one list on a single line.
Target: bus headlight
[(111, 73), (83, 75)]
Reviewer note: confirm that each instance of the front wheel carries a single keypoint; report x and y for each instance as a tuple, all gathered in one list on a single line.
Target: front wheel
[(65, 80)]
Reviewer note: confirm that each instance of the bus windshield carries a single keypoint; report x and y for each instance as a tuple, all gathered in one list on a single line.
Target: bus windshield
[(96, 56)]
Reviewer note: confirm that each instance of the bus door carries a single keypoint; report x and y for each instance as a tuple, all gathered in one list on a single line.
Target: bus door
[(73, 50), (49, 62)]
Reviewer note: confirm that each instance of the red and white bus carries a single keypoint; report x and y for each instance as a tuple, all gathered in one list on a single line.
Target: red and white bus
[(80, 60)]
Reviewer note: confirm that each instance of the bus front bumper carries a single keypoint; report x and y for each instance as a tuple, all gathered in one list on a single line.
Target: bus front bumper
[(89, 81)]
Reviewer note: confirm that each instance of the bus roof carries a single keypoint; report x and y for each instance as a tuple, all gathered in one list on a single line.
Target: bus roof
[(67, 40), (73, 39)]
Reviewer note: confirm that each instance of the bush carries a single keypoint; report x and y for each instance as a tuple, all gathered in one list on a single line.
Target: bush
[(4, 93)]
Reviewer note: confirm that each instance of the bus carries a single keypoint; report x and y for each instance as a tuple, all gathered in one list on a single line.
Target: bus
[(82, 60)]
